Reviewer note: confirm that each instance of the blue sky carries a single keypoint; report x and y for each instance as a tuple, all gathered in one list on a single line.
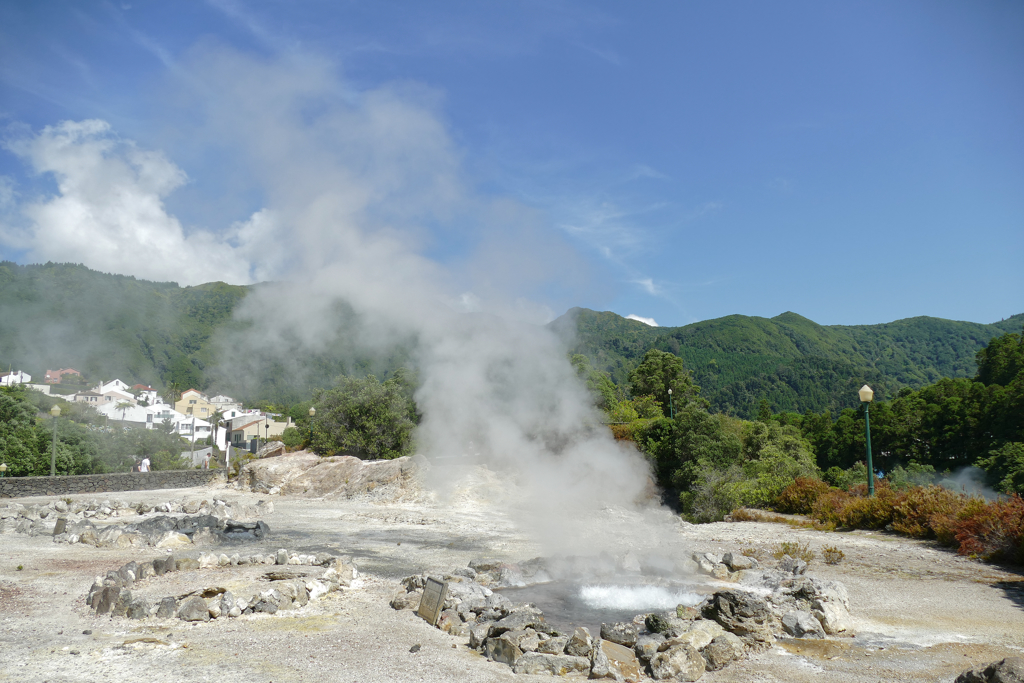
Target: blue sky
[(852, 162)]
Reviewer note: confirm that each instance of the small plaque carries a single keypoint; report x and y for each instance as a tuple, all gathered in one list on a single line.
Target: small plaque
[(432, 602)]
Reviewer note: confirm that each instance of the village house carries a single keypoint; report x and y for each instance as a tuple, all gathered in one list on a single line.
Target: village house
[(55, 376), (9, 379), (195, 402), (244, 428)]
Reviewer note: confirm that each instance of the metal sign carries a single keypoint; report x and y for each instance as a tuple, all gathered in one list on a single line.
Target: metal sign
[(432, 602)]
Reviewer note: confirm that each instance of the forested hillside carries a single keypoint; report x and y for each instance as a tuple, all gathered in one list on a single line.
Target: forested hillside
[(65, 315), (793, 362)]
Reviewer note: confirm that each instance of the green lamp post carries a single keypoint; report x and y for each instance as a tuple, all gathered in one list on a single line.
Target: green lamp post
[(3, 469), (55, 411), (866, 395), (312, 413), (671, 410)]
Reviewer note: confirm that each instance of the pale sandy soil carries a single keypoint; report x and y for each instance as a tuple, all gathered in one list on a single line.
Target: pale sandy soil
[(921, 613)]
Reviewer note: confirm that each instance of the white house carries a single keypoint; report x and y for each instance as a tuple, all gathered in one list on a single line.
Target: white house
[(223, 403), (9, 379), (112, 385)]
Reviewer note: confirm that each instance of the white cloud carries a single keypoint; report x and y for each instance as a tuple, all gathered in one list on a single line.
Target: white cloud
[(108, 212), (645, 321)]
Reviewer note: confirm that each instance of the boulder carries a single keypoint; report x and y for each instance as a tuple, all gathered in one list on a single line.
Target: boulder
[(478, 633), (167, 608), (623, 633), (173, 539), (194, 609), (737, 562), (833, 617), (656, 623), (611, 660), (523, 618), (792, 565), (743, 614), (526, 640), (550, 664), (580, 643), (680, 663), (553, 646), (451, 623), (801, 624), (722, 650), (106, 599), (124, 601), (698, 635), (647, 646), (139, 609), (1009, 670), (501, 649)]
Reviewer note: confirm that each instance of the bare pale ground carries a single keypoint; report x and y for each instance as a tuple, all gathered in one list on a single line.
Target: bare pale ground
[(921, 613)]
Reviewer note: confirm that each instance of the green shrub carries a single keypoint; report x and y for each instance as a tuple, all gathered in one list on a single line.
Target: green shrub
[(874, 512), (828, 508), (832, 555), (914, 475), (796, 550), (292, 438), (800, 496)]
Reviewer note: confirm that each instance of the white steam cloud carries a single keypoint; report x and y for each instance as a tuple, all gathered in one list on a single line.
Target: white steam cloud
[(645, 321), (350, 179)]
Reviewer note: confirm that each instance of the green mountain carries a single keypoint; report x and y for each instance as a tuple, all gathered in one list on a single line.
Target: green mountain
[(66, 315), (106, 326), (793, 362)]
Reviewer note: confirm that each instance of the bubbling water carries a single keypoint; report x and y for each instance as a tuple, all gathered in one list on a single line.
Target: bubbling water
[(640, 598)]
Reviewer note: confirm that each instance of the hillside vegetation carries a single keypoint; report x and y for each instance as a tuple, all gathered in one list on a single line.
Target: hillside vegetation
[(794, 363)]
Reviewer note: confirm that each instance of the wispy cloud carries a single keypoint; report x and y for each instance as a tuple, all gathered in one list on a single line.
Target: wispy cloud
[(648, 285)]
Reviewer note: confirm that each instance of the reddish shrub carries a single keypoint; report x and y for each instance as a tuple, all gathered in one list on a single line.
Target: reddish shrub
[(799, 497), (829, 506), (918, 510), (994, 532), (622, 432), (873, 512)]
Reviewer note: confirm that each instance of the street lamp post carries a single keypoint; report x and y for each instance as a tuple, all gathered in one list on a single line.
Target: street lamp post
[(866, 395), (3, 469), (671, 410), (55, 411), (312, 414)]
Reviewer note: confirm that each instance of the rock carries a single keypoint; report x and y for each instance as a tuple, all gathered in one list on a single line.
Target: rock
[(173, 539), (194, 609), (317, 589), (833, 617), (647, 646), (656, 623), (680, 663), (501, 649), (554, 645), (792, 565), (520, 620), (478, 634), (186, 564), (282, 556), (580, 643), (722, 650), (192, 507), (743, 614), (704, 565), (698, 635), (124, 601), (550, 664), (144, 571), (526, 640), (60, 526), (611, 660), (623, 633), (1009, 670), (738, 562), (139, 609), (800, 624), (167, 608), (451, 623), (270, 449), (106, 599)]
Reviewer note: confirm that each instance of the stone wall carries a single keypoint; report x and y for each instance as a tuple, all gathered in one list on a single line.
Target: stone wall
[(20, 487)]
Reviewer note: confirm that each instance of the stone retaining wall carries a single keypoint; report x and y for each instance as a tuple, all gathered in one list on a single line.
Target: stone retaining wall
[(21, 487)]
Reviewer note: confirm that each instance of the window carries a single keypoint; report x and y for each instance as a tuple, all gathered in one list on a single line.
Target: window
[(192, 402)]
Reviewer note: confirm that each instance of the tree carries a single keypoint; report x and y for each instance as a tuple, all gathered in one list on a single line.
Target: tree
[(1002, 360), (660, 371), (602, 390), (365, 418)]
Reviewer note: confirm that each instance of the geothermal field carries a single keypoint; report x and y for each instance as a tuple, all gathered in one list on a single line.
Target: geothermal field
[(313, 570)]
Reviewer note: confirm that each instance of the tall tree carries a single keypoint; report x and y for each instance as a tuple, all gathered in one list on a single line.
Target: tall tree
[(660, 371)]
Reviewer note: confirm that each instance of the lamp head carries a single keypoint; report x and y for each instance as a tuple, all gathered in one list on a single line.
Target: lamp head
[(312, 412), (866, 394), (3, 467), (55, 410), (669, 392)]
